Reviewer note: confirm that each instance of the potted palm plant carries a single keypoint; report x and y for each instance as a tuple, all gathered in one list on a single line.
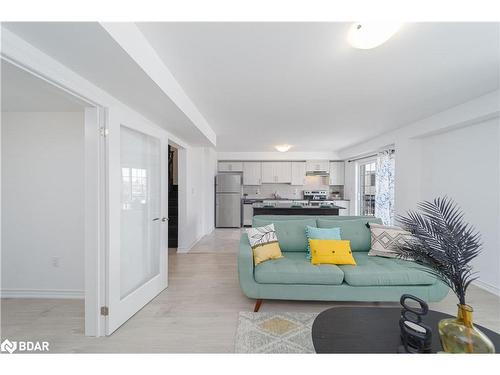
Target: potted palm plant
[(443, 242)]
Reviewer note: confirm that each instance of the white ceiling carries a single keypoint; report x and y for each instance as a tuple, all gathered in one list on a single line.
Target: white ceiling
[(23, 92), (262, 84), (87, 49)]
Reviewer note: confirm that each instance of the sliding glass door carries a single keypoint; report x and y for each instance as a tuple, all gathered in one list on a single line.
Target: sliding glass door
[(366, 187)]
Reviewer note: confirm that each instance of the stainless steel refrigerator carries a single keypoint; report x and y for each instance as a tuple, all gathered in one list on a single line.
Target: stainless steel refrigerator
[(228, 200)]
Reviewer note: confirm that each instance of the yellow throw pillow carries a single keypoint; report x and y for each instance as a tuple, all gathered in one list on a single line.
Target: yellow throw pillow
[(331, 252), (265, 252)]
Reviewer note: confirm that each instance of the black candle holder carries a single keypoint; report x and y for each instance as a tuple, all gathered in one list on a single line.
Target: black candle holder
[(416, 337)]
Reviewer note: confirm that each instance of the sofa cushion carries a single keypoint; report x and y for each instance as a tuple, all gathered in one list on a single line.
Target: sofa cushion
[(294, 268), (291, 233), (354, 230), (377, 271)]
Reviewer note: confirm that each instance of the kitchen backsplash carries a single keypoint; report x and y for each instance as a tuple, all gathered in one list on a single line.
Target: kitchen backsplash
[(290, 191)]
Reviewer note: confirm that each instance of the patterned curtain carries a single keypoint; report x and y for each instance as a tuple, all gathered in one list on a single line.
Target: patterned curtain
[(384, 187)]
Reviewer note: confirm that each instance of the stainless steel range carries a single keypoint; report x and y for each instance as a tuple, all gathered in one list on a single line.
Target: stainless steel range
[(317, 197)]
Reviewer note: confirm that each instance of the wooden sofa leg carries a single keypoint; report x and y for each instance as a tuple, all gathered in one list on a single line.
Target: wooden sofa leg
[(257, 305)]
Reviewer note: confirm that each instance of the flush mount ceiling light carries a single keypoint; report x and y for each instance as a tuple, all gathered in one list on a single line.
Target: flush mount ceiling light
[(283, 148), (366, 35)]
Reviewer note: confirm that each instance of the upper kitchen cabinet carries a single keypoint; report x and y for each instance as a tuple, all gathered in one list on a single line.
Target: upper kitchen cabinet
[(276, 172), (230, 166), (298, 173), (252, 173), (315, 166), (337, 173), (284, 172), (268, 172)]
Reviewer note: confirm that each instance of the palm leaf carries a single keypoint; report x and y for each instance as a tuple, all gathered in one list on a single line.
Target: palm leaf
[(443, 242)]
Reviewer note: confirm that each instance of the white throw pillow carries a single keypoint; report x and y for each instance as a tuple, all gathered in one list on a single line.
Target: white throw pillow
[(384, 238), (262, 235)]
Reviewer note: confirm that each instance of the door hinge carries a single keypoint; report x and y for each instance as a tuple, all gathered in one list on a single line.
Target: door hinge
[(104, 310), (103, 131)]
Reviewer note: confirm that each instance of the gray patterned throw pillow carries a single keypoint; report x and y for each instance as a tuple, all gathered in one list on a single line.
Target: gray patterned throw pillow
[(384, 238)]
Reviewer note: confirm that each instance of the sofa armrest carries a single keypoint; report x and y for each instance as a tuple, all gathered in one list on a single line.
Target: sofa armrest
[(245, 268)]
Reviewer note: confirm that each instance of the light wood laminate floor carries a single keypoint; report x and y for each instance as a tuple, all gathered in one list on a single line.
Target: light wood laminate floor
[(197, 313)]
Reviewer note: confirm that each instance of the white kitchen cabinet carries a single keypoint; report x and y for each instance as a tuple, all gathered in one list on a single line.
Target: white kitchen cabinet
[(230, 166), (284, 172), (345, 204), (268, 172), (247, 214), (317, 165), (276, 172), (298, 173), (337, 173), (252, 173)]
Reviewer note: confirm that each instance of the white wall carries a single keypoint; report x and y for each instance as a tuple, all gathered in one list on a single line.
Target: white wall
[(197, 169), (432, 157), (209, 172), (464, 165), (406, 141), (43, 204)]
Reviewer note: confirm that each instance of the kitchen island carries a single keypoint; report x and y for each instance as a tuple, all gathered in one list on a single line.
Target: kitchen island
[(260, 209)]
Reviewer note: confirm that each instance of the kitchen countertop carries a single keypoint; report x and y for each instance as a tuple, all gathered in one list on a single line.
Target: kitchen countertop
[(331, 206), (253, 200)]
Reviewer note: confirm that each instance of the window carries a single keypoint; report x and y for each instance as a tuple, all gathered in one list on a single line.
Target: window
[(134, 181), (366, 190)]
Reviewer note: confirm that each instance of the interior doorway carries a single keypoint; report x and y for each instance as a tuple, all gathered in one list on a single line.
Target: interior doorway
[(173, 197), (43, 197)]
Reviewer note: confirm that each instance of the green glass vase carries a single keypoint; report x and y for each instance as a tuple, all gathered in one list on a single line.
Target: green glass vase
[(458, 335)]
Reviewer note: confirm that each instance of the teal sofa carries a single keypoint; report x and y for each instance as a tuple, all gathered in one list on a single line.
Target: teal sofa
[(293, 277)]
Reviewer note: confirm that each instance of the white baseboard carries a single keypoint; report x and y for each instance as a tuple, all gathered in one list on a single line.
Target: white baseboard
[(185, 249), (488, 287), (42, 293)]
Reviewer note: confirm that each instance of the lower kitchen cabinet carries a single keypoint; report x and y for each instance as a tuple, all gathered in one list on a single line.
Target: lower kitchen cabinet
[(247, 214), (345, 204)]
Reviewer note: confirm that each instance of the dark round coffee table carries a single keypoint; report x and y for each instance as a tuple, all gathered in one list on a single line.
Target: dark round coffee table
[(371, 330)]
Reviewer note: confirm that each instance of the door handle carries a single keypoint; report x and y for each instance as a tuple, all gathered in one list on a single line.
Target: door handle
[(156, 219), (163, 219)]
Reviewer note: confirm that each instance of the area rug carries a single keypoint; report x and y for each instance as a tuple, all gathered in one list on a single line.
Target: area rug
[(267, 332)]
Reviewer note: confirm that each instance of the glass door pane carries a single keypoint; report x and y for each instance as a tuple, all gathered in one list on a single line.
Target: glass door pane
[(366, 192), (140, 156)]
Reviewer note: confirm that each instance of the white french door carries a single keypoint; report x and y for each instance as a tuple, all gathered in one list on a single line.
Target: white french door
[(138, 225)]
